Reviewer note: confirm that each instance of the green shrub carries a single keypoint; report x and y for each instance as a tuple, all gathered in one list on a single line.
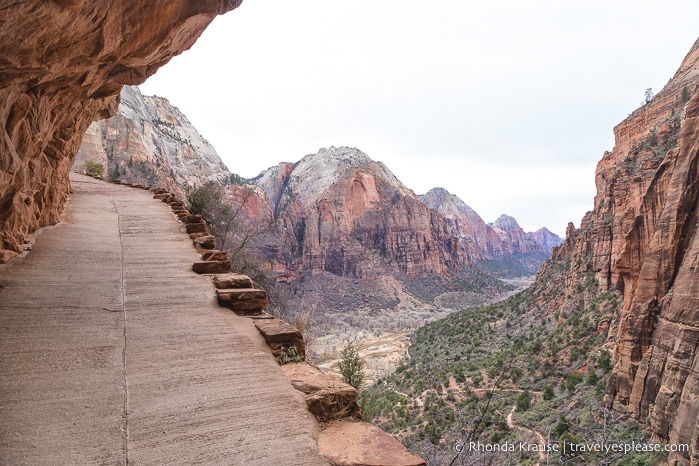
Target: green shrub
[(548, 392), (290, 355), (524, 401), (93, 168), (592, 378), (604, 361), (572, 380)]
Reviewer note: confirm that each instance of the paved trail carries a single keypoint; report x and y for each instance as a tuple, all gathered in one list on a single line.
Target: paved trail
[(112, 351)]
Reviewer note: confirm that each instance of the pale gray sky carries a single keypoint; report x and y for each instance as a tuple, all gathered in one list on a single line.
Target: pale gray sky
[(508, 104)]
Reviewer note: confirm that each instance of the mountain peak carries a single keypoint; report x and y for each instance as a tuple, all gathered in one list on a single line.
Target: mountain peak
[(546, 238), (506, 223), (314, 174), (444, 201)]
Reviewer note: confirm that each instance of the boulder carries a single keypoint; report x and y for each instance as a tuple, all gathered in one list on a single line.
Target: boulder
[(6, 255), (349, 443)]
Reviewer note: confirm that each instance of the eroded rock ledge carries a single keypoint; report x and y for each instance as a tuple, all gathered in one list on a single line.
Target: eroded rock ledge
[(62, 65)]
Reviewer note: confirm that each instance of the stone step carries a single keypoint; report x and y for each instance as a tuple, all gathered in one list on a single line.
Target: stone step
[(192, 218), (261, 315), (232, 280), (327, 397), (212, 267), (243, 301), (205, 242), (281, 336), (195, 227), (216, 255), (349, 443)]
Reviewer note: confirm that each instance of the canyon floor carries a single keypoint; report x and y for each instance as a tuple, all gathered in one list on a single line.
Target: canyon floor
[(383, 350), (113, 351)]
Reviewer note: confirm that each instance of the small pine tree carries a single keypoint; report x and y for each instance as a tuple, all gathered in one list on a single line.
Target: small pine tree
[(548, 392), (604, 361), (649, 94), (524, 401), (351, 365), (592, 378), (115, 172), (561, 426), (685, 95)]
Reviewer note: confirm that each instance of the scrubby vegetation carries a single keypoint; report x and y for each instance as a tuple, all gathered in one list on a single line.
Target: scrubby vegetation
[(534, 365), (94, 168)]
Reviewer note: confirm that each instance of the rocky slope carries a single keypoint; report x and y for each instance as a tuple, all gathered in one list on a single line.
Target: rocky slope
[(69, 60), (642, 239), (152, 143)]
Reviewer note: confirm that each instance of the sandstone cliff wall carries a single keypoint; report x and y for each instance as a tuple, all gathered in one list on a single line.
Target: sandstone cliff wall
[(62, 65), (150, 142), (641, 238)]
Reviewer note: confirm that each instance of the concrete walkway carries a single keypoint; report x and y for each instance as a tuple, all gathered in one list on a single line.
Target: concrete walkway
[(112, 351)]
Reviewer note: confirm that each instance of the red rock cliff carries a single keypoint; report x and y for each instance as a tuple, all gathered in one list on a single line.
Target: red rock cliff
[(642, 239), (62, 65)]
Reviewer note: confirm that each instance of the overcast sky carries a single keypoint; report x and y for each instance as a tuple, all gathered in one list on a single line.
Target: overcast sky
[(508, 104)]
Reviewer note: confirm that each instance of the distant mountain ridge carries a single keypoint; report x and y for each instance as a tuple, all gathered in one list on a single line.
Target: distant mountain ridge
[(481, 241), (355, 214)]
